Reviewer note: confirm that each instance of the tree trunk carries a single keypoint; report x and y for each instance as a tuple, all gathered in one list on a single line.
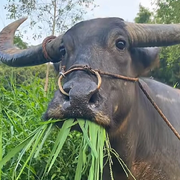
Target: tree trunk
[(53, 31)]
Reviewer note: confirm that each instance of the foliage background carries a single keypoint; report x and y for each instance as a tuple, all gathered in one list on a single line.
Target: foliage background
[(164, 12)]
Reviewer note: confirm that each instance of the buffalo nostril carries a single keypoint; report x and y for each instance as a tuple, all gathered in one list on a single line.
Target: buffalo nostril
[(67, 90), (94, 98)]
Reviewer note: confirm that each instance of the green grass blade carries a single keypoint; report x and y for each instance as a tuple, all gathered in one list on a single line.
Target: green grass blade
[(1, 149), (101, 134), (82, 123), (94, 137), (79, 164), (94, 167), (109, 158), (63, 136), (16, 125), (37, 137), (24, 150), (91, 172), (15, 150), (52, 121), (60, 139), (48, 131), (123, 165)]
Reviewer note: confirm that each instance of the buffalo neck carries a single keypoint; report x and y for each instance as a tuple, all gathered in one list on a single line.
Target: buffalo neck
[(145, 138)]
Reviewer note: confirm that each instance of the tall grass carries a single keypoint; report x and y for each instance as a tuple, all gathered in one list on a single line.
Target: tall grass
[(21, 109), (0, 142)]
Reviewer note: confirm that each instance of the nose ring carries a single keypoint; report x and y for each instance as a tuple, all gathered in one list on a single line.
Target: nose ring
[(81, 68)]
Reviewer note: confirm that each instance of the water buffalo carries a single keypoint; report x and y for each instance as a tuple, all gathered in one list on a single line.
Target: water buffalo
[(136, 130)]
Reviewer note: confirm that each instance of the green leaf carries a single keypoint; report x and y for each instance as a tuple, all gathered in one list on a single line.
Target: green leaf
[(61, 137), (14, 151)]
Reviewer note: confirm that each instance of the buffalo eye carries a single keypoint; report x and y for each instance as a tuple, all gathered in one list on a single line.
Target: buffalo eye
[(62, 51), (120, 44)]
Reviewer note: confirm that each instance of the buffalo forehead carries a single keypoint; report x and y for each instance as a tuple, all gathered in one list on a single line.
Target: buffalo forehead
[(98, 29)]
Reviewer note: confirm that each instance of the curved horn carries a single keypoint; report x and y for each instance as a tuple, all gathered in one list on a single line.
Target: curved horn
[(150, 35), (12, 56)]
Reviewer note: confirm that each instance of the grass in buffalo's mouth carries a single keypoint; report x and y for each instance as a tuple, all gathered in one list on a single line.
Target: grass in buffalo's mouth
[(94, 147)]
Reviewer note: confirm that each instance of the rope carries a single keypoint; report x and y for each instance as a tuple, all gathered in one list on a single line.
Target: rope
[(45, 41), (159, 111), (99, 72)]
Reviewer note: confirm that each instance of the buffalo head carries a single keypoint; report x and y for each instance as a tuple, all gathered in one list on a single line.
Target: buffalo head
[(107, 44)]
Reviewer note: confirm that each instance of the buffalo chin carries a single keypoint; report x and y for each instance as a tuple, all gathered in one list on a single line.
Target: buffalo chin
[(97, 117), (76, 127)]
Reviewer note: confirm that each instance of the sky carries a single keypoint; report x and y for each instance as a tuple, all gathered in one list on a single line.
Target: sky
[(126, 9)]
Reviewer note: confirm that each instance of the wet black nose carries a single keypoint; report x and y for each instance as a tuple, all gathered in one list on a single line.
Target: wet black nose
[(81, 93)]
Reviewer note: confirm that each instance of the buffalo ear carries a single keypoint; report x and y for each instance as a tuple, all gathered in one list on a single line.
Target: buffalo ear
[(145, 60)]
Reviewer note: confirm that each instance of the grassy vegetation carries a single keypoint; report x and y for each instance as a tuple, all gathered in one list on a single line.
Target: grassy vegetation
[(22, 103), (32, 149)]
